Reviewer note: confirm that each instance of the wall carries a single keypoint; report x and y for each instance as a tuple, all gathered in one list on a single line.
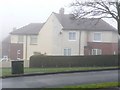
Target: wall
[(57, 37), (83, 41), (108, 45), (13, 53), (115, 37), (107, 48), (107, 36), (74, 45), (30, 48), (46, 36)]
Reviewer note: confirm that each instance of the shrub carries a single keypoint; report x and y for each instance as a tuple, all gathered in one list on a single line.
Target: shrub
[(73, 61)]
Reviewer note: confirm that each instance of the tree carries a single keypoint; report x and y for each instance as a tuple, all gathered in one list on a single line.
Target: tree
[(97, 8)]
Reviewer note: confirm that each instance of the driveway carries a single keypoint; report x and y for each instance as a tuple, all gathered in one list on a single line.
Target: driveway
[(60, 80)]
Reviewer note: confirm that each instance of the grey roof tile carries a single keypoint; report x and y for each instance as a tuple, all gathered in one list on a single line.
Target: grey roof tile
[(88, 24), (30, 29)]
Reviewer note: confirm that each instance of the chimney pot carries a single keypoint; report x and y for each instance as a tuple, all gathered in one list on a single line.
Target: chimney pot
[(61, 11)]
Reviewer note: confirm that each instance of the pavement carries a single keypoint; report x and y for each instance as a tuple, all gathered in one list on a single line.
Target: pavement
[(60, 80)]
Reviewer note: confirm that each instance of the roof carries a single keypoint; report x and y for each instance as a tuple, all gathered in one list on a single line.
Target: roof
[(30, 29), (69, 23)]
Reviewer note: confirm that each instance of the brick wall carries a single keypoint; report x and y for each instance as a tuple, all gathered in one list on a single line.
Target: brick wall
[(107, 48), (13, 51)]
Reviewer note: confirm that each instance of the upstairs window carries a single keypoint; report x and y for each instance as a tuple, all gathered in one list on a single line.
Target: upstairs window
[(97, 37), (72, 36), (67, 51), (33, 39), (20, 39), (96, 51)]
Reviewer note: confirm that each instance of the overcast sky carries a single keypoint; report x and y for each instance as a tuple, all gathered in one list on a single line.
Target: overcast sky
[(18, 13)]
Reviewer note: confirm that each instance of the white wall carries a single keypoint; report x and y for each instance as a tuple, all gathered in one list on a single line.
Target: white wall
[(57, 37), (74, 45), (83, 41), (14, 38), (107, 36), (115, 37), (46, 36)]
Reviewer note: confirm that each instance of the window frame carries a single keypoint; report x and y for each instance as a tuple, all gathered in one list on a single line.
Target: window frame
[(75, 35), (100, 37), (31, 40), (68, 50), (96, 52), (20, 39)]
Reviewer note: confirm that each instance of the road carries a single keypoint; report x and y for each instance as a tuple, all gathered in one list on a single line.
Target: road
[(60, 80)]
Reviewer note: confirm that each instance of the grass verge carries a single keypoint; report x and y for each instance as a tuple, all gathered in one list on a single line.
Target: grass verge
[(97, 85), (7, 71)]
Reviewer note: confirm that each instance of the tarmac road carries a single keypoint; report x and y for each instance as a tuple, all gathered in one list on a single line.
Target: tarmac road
[(60, 80)]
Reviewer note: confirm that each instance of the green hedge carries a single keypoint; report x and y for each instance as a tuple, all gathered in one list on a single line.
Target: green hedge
[(73, 61)]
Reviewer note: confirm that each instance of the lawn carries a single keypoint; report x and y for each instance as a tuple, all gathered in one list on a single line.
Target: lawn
[(7, 71), (97, 85)]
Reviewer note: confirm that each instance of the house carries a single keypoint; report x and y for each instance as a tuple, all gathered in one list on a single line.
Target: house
[(24, 41), (63, 35), (6, 47)]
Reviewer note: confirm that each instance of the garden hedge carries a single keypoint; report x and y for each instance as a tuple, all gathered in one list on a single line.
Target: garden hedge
[(73, 61)]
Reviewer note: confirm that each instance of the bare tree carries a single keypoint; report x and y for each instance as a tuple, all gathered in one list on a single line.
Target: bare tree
[(97, 8)]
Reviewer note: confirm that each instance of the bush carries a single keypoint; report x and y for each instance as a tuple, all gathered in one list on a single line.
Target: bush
[(73, 61)]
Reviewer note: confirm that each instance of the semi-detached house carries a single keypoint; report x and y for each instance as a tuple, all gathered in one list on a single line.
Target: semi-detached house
[(63, 35)]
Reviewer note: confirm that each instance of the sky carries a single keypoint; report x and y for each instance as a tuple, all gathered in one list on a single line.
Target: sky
[(18, 13)]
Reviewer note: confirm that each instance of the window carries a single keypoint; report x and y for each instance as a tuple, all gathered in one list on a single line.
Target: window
[(97, 37), (96, 51), (33, 39), (72, 35), (20, 39), (67, 51)]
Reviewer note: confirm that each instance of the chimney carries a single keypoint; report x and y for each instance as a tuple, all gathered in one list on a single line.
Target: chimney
[(61, 11)]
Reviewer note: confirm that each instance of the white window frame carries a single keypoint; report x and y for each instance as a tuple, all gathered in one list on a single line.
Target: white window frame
[(96, 52), (100, 37), (75, 35), (33, 37), (20, 38), (67, 52)]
